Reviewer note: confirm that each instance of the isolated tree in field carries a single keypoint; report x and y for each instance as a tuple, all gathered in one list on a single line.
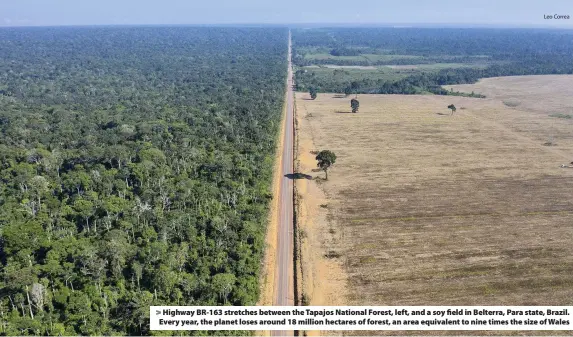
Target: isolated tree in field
[(453, 108), (313, 92), (325, 159), (354, 104)]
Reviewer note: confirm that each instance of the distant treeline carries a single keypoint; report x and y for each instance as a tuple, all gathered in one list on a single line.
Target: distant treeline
[(497, 43), (301, 61), (510, 52)]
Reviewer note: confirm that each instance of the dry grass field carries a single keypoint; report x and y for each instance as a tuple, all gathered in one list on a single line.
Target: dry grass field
[(424, 208), (541, 94)]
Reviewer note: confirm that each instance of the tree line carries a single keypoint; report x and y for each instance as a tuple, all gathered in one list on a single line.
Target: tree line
[(508, 52)]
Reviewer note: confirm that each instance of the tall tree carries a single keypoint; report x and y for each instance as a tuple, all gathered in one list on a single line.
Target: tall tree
[(453, 108), (354, 104), (325, 158), (313, 92)]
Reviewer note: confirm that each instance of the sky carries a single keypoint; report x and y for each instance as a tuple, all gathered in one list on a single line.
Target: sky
[(355, 12)]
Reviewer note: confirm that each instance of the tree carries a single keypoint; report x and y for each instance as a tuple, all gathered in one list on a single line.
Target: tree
[(313, 92), (223, 284), (354, 104), (325, 159), (85, 209), (453, 108)]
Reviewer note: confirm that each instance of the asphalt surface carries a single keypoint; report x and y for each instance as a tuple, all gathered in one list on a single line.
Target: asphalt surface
[(284, 268)]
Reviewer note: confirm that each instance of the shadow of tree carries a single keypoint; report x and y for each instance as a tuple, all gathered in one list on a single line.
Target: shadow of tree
[(298, 175)]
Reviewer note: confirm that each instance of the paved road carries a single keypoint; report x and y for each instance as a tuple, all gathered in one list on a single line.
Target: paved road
[(284, 269)]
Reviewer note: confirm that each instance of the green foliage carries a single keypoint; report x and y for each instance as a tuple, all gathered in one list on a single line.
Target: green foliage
[(135, 170), (341, 51), (435, 57), (325, 158), (452, 107), (305, 300), (354, 104), (313, 92), (564, 116)]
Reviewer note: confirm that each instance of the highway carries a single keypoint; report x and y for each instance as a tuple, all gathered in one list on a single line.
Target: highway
[(283, 294)]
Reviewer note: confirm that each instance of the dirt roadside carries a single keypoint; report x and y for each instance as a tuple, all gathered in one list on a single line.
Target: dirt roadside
[(269, 261), (315, 230)]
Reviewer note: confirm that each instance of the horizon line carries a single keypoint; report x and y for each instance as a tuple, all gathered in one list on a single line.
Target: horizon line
[(313, 24)]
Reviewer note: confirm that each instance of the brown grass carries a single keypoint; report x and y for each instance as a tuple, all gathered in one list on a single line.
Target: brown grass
[(322, 279), (541, 94), (432, 209)]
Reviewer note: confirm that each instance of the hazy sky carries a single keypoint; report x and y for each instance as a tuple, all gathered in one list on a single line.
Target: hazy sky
[(90, 12)]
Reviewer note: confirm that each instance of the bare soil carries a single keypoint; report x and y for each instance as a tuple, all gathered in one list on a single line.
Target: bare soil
[(268, 270)]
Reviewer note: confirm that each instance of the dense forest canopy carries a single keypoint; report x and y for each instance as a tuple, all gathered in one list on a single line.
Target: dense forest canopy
[(446, 41), (135, 168), (506, 52)]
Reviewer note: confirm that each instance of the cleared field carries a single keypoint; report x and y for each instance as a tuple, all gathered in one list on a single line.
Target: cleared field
[(438, 66), (346, 75), (423, 208), (420, 67), (362, 57), (543, 94), (334, 66)]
